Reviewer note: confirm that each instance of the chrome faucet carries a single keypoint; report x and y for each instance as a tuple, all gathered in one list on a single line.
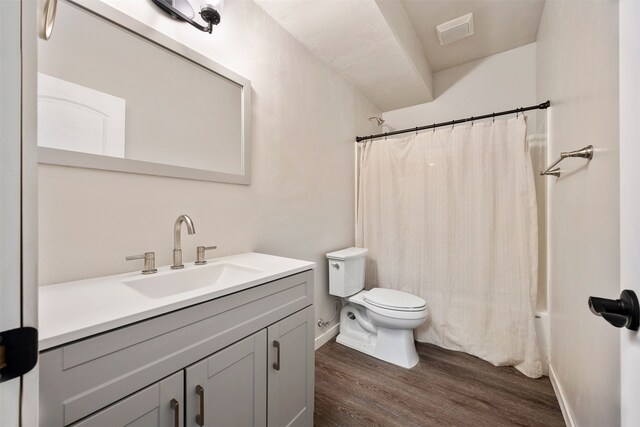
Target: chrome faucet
[(177, 248), (149, 261)]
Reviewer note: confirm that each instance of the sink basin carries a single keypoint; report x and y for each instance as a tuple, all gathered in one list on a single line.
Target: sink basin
[(191, 278)]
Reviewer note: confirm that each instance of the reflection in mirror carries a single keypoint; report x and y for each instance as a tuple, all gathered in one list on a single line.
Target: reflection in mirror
[(112, 99), (77, 118)]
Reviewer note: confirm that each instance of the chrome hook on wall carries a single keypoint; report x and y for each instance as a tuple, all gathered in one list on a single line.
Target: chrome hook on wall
[(584, 153)]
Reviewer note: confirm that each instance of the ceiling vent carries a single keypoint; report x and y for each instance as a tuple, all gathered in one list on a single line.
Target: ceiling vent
[(456, 29)]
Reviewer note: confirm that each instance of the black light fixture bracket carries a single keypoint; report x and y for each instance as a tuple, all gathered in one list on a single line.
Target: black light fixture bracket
[(208, 14)]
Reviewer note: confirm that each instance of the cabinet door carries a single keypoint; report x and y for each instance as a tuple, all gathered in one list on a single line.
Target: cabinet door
[(291, 370), (229, 388), (160, 404)]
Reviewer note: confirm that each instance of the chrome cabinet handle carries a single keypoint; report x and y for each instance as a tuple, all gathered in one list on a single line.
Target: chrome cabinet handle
[(276, 364), (200, 416), (200, 250), (335, 265), (175, 405)]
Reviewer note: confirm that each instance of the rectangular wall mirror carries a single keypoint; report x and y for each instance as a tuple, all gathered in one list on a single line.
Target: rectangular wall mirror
[(115, 94)]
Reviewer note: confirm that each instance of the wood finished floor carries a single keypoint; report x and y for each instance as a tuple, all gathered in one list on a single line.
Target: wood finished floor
[(447, 388)]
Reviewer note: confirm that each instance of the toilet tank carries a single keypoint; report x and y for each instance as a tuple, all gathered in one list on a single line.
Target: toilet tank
[(346, 271)]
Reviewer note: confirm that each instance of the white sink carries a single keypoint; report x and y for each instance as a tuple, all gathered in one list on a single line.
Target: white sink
[(74, 310), (192, 277)]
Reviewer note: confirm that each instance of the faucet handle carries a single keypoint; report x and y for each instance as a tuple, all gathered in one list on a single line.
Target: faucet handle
[(149, 261), (200, 254)]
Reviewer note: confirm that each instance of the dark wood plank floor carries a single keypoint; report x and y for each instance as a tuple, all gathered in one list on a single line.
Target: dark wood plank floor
[(447, 388)]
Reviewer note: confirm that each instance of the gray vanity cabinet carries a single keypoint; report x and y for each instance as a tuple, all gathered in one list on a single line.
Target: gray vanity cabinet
[(229, 388), (291, 369), (160, 404), (128, 376)]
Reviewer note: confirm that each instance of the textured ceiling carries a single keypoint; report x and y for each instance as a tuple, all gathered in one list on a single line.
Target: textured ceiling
[(354, 38), (388, 49)]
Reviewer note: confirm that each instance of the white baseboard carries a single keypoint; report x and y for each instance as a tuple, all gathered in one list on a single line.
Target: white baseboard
[(562, 400), (326, 337)]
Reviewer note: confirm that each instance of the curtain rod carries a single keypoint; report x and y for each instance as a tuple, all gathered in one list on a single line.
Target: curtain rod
[(542, 106)]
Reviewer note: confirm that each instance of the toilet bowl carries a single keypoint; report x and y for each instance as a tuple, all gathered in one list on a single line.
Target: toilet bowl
[(378, 322)]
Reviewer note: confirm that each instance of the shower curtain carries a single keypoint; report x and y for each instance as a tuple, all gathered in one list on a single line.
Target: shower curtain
[(450, 215)]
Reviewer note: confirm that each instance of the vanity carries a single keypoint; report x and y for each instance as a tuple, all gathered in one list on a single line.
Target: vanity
[(226, 342), (229, 343)]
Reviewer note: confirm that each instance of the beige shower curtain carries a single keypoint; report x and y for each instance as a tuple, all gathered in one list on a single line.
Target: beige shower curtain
[(450, 215)]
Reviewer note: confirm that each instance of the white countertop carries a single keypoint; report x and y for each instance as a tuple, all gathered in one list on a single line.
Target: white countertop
[(74, 310)]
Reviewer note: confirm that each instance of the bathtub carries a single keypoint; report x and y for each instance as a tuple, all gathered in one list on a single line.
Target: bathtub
[(541, 323)]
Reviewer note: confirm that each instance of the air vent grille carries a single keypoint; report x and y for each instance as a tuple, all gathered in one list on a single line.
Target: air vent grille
[(456, 29)]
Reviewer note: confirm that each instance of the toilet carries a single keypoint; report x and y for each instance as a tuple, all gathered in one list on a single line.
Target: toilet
[(378, 322)]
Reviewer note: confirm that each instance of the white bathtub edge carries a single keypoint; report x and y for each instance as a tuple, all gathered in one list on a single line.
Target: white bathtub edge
[(542, 326)]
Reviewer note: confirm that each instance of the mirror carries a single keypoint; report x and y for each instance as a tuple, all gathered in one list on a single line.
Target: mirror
[(115, 94)]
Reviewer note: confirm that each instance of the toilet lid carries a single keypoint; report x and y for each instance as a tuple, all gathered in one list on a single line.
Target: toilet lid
[(394, 300)]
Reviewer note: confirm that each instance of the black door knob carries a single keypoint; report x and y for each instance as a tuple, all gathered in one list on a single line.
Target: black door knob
[(620, 312)]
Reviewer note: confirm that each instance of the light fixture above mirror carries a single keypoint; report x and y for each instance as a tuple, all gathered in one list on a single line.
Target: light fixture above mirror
[(183, 10)]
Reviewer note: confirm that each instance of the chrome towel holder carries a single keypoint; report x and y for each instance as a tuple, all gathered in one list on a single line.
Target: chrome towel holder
[(585, 153)]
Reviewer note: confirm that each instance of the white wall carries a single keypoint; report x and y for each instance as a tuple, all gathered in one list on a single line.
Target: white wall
[(300, 203), (629, 202), (499, 82), (578, 71)]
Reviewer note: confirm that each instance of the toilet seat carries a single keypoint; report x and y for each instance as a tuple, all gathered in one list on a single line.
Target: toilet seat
[(408, 312), (391, 299), (396, 314)]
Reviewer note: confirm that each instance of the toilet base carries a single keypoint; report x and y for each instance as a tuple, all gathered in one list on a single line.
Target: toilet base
[(391, 345)]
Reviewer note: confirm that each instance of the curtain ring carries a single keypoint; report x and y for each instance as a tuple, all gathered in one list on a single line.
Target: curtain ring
[(453, 122), (434, 128), (517, 112), (416, 130), (471, 121), (494, 117)]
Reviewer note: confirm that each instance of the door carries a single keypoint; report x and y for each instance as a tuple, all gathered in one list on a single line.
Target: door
[(629, 203), (229, 388), (18, 288), (159, 405), (291, 368)]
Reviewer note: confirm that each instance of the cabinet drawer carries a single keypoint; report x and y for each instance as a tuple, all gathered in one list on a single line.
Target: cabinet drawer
[(81, 378)]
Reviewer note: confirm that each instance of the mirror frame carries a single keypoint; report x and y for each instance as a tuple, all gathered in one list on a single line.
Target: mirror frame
[(54, 156)]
